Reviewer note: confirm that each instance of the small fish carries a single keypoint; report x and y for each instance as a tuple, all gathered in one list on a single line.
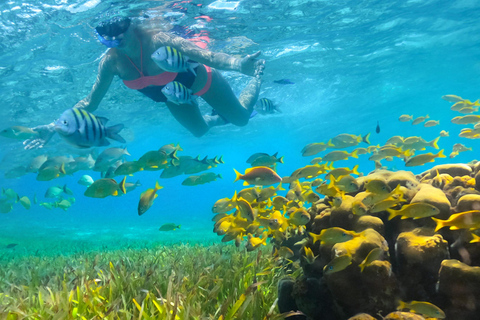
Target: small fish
[(332, 236), (415, 210), (338, 264), (263, 176), (453, 154), (425, 308), (254, 242), (468, 119), (444, 133), (169, 227), (146, 199), (128, 168), (299, 217), (11, 245), (105, 187), (177, 93), (339, 155), (463, 220), (132, 186), (25, 202), (36, 163), (405, 118), (50, 173), (246, 210), (264, 160), (375, 254), (313, 148), (458, 147), (283, 81), (266, 106), (377, 129), (452, 98), (19, 132), (172, 60), (421, 159), (63, 204), (85, 180), (83, 129), (420, 120), (431, 123)]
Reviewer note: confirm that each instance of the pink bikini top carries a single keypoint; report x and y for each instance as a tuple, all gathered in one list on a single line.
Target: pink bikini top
[(145, 81)]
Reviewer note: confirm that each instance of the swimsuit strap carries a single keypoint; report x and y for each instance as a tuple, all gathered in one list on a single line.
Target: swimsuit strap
[(141, 60)]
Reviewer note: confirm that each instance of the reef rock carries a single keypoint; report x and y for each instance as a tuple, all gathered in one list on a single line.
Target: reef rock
[(419, 255), (460, 284), (434, 196), (313, 299), (454, 169), (369, 222), (468, 202), (398, 315), (362, 316), (342, 216)]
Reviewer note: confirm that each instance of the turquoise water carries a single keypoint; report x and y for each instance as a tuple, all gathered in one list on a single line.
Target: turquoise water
[(353, 63)]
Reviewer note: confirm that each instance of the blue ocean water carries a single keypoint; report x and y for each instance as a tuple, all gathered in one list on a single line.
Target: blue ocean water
[(353, 63)]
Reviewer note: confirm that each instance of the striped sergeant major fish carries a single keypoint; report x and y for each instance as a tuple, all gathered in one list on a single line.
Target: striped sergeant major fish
[(172, 60), (83, 129), (266, 106), (178, 93)]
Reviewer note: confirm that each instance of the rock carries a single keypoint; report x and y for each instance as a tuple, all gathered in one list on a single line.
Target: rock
[(468, 202), (419, 255), (477, 180), (313, 299), (321, 221), (355, 291), (431, 195), (362, 316), (285, 300), (460, 284), (403, 178), (342, 216), (398, 315), (455, 169), (369, 222)]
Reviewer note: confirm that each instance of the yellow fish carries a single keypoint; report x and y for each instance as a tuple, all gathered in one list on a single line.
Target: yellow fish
[(225, 204), (405, 118), (105, 187), (313, 148), (339, 155), (25, 202), (263, 176), (146, 199), (425, 308), (444, 133), (463, 220), (309, 257), (421, 159), (415, 210), (458, 147), (346, 183), (19, 132), (342, 172), (332, 236), (467, 110), (374, 254), (468, 119), (420, 120), (431, 123), (245, 209), (338, 264), (299, 217), (452, 98), (316, 160), (128, 168), (254, 242)]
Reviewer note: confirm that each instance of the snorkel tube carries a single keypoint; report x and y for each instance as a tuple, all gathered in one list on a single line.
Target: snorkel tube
[(108, 43)]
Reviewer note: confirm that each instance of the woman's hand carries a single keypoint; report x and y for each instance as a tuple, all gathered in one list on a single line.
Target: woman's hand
[(251, 66), (45, 133)]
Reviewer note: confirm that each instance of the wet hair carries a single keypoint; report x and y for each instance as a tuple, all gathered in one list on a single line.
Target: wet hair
[(113, 27)]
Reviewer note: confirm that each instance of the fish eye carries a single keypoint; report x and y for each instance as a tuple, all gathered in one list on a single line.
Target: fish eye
[(330, 268), (65, 122)]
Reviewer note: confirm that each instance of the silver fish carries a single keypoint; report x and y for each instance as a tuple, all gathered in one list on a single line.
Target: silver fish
[(172, 60), (178, 93), (84, 130)]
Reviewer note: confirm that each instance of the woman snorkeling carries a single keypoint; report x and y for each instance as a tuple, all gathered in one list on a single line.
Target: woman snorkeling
[(130, 58)]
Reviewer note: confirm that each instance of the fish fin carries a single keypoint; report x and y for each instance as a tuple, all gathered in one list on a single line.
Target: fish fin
[(192, 66), (355, 170), (393, 214), (155, 196), (62, 168), (238, 175), (245, 183), (102, 120), (330, 144), (441, 155), (112, 132), (115, 193), (434, 143), (157, 186)]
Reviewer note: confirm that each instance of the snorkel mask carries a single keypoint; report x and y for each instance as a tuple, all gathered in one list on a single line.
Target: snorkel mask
[(108, 30)]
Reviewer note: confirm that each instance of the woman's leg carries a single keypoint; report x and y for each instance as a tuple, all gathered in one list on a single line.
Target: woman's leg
[(221, 97), (189, 116)]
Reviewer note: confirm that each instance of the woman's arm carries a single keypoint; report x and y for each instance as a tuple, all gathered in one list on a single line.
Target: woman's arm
[(106, 73), (222, 61)]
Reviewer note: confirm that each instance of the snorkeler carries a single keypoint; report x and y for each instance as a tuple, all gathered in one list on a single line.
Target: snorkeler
[(129, 58)]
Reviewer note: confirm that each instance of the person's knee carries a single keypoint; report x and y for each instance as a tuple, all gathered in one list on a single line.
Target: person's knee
[(241, 122), (198, 133)]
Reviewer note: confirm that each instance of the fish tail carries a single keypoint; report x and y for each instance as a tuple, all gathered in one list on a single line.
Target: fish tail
[(354, 153), (393, 213), (355, 170), (366, 138), (280, 186), (362, 266), (112, 133), (238, 175), (122, 185), (440, 154), (440, 224), (192, 66), (281, 159), (220, 160), (219, 176), (173, 155), (434, 143), (427, 116), (401, 305), (330, 144), (157, 186), (62, 168)]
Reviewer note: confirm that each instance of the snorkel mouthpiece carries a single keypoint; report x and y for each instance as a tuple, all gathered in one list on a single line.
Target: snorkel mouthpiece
[(108, 43)]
